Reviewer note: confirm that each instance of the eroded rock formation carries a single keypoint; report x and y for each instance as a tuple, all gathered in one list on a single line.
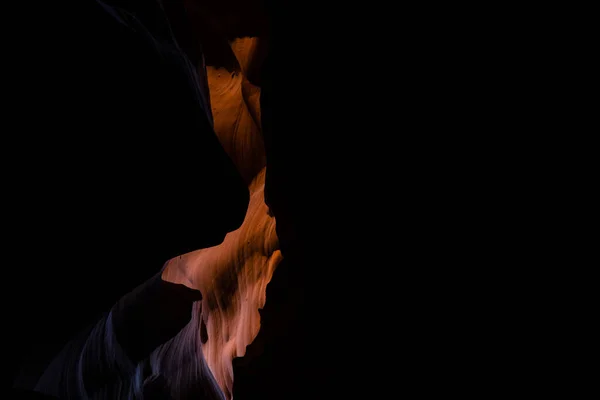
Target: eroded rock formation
[(233, 275), (133, 60), (233, 278), (111, 212)]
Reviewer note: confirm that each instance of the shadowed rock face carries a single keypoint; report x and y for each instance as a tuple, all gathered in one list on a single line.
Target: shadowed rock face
[(104, 200), (233, 275), (233, 278)]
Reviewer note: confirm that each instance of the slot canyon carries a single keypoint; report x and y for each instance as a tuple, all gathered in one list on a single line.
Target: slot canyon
[(273, 200), (229, 252)]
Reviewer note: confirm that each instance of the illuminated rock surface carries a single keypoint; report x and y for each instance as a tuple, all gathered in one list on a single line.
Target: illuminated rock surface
[(233, 275), (233, 278), (190, 217)]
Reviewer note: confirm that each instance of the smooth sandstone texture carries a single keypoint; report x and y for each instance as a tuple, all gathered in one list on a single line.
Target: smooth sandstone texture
[(233, 276)]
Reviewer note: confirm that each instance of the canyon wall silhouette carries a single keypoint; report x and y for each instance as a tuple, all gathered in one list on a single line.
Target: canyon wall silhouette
[(128, 82), (389, 168), (360, 286), (236, 275), (233, 274)]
